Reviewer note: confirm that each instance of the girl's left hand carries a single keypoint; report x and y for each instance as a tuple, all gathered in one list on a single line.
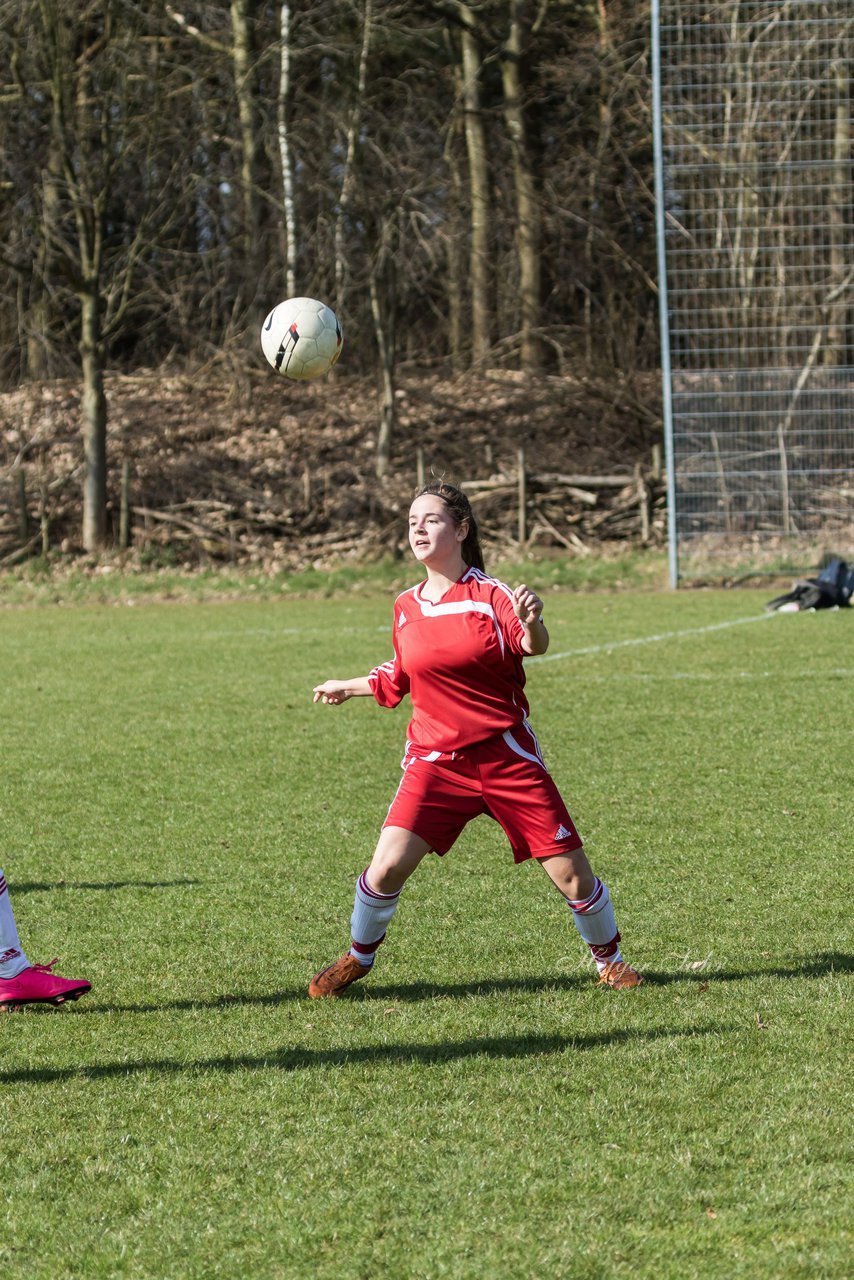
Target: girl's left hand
[(528, 605)]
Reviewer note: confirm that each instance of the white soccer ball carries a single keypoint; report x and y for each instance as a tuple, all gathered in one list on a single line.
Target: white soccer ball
[(302, 338)]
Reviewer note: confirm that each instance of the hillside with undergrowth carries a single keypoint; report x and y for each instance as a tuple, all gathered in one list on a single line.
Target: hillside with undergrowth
[(255, 470)]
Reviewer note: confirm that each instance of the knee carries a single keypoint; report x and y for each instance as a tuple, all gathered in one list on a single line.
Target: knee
[(396, 856), (387, 873)]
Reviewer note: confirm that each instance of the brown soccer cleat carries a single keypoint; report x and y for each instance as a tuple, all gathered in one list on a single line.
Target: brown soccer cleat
[(332, 980), (618, 974)]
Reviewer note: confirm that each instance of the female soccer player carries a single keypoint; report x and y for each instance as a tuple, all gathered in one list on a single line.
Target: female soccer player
[(459, 639), (20, 981)]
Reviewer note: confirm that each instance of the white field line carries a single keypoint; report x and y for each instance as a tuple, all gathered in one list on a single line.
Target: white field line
[(546, 657), (265, 632), (608, 647), (656, 639), (716, 677)]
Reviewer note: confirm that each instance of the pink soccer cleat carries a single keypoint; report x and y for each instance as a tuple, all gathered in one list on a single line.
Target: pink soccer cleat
[(39, 985)]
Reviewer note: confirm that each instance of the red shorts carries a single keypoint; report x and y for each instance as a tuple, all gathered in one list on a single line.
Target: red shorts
[(504, 777)]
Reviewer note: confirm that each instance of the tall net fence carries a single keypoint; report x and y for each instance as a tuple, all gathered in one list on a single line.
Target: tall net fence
[(754, 126)]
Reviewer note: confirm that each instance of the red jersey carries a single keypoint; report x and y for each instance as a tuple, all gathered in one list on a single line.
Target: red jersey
[(459, 660)]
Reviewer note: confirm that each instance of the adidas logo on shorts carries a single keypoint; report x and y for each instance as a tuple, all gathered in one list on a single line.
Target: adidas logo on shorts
[(562, 833)]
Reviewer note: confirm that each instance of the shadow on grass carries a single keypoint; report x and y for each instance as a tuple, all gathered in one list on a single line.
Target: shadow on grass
[(300, 1059), (414, 992), (818, 966), (34, 886)]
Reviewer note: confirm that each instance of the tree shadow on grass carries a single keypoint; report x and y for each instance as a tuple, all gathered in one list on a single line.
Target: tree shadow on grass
[(34, 886), (294, 1058), (414, 992)]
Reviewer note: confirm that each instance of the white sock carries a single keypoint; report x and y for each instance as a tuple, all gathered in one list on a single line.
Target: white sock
[(372, 913), (12, 958), (595, 921)]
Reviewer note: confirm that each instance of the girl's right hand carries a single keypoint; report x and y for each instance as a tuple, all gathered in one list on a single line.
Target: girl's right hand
[(331, 693)]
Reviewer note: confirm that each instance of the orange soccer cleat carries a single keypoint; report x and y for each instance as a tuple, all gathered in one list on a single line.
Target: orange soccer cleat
[(618, 974), (332, 980)]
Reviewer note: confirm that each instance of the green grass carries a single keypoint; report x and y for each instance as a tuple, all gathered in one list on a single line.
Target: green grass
[(133, 579), (183, 827)]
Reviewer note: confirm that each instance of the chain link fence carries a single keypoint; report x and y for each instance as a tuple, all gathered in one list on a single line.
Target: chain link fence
[(753, 133)]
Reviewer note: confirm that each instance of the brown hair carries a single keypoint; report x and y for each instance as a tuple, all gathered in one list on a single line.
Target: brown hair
[(460, 509)]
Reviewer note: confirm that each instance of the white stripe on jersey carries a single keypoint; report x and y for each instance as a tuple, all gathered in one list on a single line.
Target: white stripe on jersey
[(471, 575), (386, 667), (430, 610), (479, 576)]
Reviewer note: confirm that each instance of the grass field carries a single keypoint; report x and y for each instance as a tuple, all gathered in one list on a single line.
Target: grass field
[(182, 826)]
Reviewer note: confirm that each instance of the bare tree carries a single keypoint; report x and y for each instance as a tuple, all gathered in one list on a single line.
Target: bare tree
[(270, 134), (838, 301), (479, 185), (383, 288), (348, 173), (242, 58), (285, 160), (528, 221), (81, 128)]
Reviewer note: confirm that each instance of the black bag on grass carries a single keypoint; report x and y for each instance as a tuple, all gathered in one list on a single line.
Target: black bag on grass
[(832, 589)]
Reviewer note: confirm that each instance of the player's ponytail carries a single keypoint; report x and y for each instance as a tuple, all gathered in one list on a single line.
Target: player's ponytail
[(460, 508)]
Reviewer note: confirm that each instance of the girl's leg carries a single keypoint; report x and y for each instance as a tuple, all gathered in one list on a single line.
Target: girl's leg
[(570, 873), (593, 913), (397, 854), (12, 958), (21, 982)]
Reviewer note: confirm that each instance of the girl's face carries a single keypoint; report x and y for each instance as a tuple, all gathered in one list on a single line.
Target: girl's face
[(433, 535)]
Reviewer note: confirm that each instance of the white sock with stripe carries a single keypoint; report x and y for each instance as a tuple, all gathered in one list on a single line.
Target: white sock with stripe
[(12, 958), (595, 921), (372, 913)]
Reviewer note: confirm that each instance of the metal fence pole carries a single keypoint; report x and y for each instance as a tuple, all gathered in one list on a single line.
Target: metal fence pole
[(664, 321)]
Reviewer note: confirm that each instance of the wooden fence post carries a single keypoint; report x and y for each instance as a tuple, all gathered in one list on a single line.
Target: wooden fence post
[(44, 518), (23, 518), (124, 507), (643, 503), (523, 497)]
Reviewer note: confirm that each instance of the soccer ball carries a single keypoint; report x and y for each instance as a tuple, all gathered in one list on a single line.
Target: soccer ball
[(302, 338)]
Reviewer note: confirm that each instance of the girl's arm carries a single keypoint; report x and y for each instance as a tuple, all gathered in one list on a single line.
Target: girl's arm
[(333, 692), (529, 611)]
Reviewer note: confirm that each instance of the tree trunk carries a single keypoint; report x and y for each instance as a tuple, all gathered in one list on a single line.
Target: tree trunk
[(385, 344), (38, 354), (592, 339), (94, 414), (383, 286), (290, 227), (242, 63), (528, 218), (348, 177), (454, 251), (481, 309), (836, 346)]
